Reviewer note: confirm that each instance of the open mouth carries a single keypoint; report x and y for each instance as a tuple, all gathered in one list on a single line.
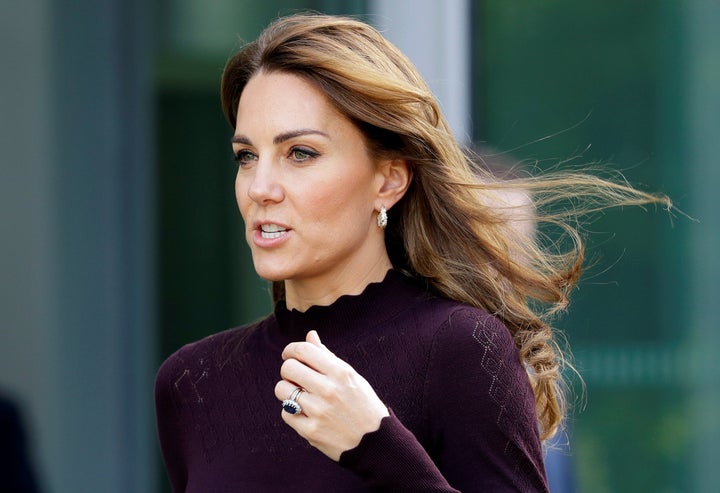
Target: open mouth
[(271, 231)]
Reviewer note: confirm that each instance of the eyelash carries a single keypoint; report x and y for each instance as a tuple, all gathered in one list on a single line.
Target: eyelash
[(240, 156), (309, 153), (244, 156)]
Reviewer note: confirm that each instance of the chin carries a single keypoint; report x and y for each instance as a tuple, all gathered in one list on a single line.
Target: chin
[(271, 278), (270, 274)]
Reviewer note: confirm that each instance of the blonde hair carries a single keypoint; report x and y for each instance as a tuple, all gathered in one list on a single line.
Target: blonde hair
[(445, 231)]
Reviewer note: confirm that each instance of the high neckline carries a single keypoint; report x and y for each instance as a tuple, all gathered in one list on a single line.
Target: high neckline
[(376, 303)]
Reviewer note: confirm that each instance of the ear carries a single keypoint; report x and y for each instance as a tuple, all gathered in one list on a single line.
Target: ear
[(395, 177)]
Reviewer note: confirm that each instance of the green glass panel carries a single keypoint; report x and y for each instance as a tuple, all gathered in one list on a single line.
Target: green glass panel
[(598, 82)]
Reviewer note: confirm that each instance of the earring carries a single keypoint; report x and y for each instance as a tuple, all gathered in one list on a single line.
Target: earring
[(382, 217)]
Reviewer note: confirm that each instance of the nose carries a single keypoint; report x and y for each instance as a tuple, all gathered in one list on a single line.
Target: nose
[(265, 184)]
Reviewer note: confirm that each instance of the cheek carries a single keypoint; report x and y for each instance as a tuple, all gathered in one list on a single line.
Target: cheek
[(241, 195), (339, 202), (243, 200)]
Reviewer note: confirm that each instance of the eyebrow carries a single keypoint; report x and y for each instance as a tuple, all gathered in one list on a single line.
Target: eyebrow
[(279, 139)]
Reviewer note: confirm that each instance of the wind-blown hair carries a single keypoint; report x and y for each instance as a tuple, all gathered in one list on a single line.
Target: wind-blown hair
[(451, 230)]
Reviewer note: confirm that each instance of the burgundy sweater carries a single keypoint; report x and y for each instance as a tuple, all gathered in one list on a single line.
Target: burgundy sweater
[(462, 410)]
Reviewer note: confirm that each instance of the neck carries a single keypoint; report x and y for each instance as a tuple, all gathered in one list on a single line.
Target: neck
[(302, 294)]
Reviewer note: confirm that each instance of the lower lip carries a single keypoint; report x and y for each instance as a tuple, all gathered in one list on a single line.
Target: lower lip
[(263, 242)]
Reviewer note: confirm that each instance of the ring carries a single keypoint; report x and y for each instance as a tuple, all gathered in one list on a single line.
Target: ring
[(291, 405)]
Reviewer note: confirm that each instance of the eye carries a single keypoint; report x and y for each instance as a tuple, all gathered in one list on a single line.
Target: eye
[(244, 156), (302, 154)]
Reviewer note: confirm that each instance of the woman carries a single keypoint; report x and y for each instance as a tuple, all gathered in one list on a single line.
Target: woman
[(407, 350)]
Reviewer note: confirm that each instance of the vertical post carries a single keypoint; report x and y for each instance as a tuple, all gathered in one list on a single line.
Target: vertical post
[(436, 37), (103, 178)]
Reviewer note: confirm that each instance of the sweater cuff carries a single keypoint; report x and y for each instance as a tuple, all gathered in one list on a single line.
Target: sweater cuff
[(391, 459)]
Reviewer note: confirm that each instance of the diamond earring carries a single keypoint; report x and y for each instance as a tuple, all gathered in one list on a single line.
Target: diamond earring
[(382, 218)]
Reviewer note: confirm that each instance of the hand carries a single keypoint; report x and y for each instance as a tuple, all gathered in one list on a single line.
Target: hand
[(338, 406)]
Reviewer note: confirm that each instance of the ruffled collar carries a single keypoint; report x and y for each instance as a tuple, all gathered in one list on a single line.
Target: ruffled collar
[(378, 302)]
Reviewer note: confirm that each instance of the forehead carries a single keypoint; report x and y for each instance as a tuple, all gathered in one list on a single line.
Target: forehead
[(284, 99)]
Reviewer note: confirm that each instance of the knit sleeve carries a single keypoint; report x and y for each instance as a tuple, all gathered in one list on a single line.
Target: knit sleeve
[(392, 460), (481, 415), (170, 430), (481, 408)]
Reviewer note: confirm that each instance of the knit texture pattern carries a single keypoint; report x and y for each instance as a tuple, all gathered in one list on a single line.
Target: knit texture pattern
[(462, 410)]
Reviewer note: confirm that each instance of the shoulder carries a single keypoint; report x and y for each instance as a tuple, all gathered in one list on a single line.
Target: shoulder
[(476, 331), (8, 412), (460, 337), (474, 356), (213, 351), (477, 341), (10, 422), (455, 326), (476, 380)]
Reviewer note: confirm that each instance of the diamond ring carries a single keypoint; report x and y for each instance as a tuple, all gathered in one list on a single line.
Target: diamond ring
[(291, 405)]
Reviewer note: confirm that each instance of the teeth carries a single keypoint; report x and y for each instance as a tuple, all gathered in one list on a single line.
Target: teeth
[(271, 231), (271, 228)]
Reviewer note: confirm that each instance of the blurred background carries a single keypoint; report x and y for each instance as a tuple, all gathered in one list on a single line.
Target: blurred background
[(121, 240)]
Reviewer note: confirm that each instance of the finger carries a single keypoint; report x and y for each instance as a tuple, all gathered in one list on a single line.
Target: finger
[(313, 338), (284, 390), (302, 375), (316, 357), (297, 422)]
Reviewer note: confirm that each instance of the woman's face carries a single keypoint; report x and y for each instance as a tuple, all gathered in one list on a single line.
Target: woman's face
[(306, 185)]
